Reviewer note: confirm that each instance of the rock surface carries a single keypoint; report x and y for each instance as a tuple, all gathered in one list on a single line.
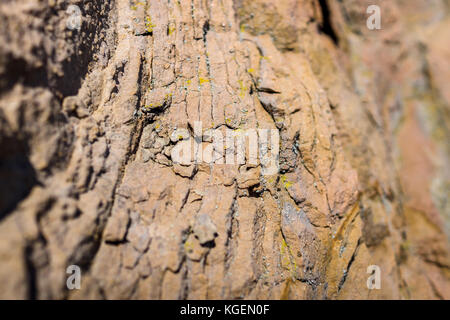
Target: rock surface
[(86, 170)]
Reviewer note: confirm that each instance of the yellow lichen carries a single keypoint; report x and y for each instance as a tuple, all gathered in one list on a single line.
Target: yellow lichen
[(242, 89), (287, 184), (134, 6), (188, 246), (287, 260), (203, 80), (148, 24)]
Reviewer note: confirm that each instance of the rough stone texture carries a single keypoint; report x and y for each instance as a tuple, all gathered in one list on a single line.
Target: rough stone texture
[(86, 175)]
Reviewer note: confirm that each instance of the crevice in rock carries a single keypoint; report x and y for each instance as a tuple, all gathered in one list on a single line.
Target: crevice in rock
[(347, 270), (17, 174), (326, 26)]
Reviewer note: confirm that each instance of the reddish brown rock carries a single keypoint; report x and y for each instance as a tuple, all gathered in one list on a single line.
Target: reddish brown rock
[(91, 120)]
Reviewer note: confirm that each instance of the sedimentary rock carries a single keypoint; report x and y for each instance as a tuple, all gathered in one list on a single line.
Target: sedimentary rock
[(87, 117)]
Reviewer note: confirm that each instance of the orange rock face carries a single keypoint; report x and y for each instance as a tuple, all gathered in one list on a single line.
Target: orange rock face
[(93, 111)]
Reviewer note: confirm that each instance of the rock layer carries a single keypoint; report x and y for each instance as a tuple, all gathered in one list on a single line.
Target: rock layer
[(88, 179)]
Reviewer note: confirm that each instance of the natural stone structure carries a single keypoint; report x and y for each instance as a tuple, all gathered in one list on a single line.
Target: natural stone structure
[(87, 178)]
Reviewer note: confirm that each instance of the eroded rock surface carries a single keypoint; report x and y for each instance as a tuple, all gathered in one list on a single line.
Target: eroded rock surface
[(86, 143)]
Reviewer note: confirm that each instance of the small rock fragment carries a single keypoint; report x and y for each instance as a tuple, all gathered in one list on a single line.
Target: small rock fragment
[(204, 229)]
